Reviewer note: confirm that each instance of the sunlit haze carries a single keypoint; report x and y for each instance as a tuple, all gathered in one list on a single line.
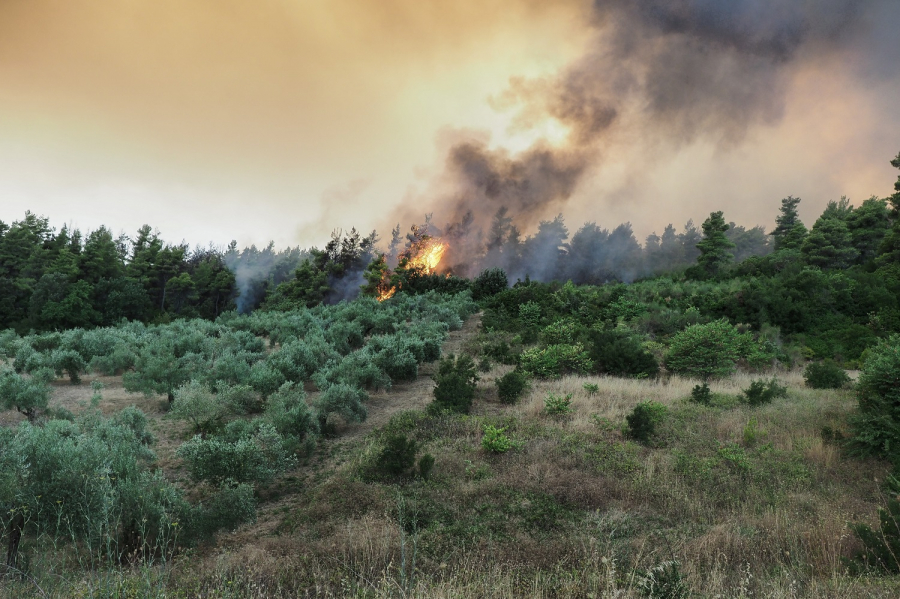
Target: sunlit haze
[(284, 120)]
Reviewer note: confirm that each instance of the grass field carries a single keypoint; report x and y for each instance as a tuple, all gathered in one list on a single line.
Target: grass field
[(725, 501)]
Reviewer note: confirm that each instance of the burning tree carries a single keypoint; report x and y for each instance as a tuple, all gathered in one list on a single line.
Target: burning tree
[(420, 259)]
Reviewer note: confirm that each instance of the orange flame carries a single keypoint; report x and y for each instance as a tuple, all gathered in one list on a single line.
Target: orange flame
[(423, 255), (428, 256)]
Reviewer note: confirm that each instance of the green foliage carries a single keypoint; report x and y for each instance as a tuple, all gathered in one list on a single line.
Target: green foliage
[(664, 581), (701, 394), (530, 314), (761, 392), (397, 456), (23, 394), (715, 245), (555, 360), (241, 399), (230, 506), (620, 354), (254, 459), (555, 405), (195, 403), (881, 549), (825, 375), (877, 425), (829, 245), (644, 419), (342, 399), (426, 466), (456, 380), (564, 331), (511, 386), (494, 440), (705, 351), (70, 362), (789, 231), (287, 411), (591, 389), (489, 283)]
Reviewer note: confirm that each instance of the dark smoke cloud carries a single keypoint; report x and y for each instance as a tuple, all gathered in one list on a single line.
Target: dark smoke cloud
[(662, 73)]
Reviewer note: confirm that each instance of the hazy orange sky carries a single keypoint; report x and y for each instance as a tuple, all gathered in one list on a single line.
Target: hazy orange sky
[(282, 120)]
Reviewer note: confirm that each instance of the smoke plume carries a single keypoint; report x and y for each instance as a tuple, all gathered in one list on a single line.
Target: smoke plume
[(658, 73)]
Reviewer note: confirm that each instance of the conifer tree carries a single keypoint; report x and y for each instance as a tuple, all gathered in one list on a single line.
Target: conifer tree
[(789, 231), (715, 245)]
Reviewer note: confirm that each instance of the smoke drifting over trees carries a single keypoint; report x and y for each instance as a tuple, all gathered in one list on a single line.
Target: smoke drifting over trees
[(660, 74)]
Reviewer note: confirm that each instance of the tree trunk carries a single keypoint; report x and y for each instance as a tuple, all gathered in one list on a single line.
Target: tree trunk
[(15, 535)]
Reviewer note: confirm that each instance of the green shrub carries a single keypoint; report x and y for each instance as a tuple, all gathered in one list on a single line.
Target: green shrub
[(511, 386), (456, 380), (701, 394), (489, 283), (484, 365), (558, 406), (70, 362), (643, 420), (705, 351), (426, 465), (230, 506), (494, 440), (242, 399), (591, 389), (256, 459), (881, 549), (619, 354), (563, 331), (530, 314), (555, 360), (287, 411), (196, 404), (762, 392), (343, 399), (664, 581), (398, 455), (877, 424), (825, 375)]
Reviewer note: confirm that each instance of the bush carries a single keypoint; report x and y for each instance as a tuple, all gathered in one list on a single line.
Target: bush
[(343, 399), (591, 389), (643, 420), (619, 354), (197, 405), (256, 459), (825, 375), (494, 440), (762, 392), (881, 550), (705, 351), (555, 360), (489, 283), (511, 385), (701, 394), (242, 399), (287, 411), (70, 362), (426, 465), (232, 505), (398, 455), (877, 425), (456, 380), (558, 406)]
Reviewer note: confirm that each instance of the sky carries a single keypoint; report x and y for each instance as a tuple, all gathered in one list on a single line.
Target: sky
[(283, 120)]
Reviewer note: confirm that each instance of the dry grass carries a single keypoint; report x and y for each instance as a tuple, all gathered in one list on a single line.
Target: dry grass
[(577, 510)]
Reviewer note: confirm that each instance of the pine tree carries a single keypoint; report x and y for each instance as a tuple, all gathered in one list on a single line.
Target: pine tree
[(829, 244), (715, 245), (789, 231)]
